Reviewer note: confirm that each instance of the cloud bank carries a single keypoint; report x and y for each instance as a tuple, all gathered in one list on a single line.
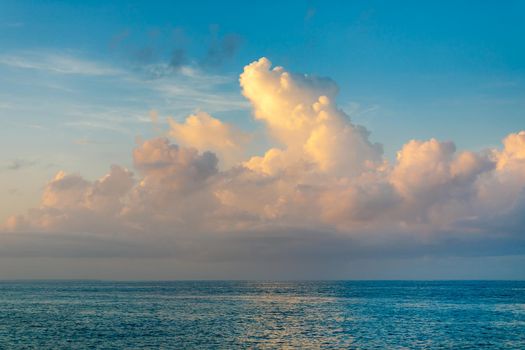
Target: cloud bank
[(323, 191)]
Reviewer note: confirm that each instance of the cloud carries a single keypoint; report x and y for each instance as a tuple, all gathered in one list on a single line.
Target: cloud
[(221, 50), (178, 58), (70, 202), (192, 90), (173, 167), (170, 52), (301, 114), (111, 105), (322, 190), (206, 133), (512, 157), (56, 63), (430, 176)]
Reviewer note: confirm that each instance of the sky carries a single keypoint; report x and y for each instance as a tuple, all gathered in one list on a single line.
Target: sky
[(295, 140)]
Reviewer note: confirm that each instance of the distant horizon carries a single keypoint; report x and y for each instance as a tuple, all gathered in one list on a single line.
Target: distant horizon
[(257, 280)]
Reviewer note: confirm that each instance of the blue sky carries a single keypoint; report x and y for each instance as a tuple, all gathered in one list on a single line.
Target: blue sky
[(79, 81), (420, 67)]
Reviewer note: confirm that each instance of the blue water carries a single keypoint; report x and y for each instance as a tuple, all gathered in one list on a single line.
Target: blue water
[(231, 315)]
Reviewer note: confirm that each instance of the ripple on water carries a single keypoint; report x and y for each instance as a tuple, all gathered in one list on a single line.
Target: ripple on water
[(229, 315)]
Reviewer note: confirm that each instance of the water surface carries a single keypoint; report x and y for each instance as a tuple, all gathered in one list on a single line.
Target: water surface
[(231, 315)]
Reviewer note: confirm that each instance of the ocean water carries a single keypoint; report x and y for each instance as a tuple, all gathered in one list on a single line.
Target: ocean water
[(265, 315)]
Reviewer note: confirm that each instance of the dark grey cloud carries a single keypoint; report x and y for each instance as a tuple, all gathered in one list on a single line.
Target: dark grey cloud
[(280, 246), (221, 50), (164, 52), (178, 58)]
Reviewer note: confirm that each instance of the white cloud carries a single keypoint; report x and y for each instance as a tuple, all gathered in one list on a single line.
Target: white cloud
[(301, 114)]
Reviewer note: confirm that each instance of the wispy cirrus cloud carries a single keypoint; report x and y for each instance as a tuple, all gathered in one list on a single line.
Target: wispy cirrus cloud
[(56, 63), (77, 94)]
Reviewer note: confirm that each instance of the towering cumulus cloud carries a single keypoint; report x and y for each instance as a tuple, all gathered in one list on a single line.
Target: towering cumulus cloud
[(322, 180), (301, 115)]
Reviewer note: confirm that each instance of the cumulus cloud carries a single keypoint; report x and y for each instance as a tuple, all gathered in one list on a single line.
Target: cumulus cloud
[(431, 177), (173, 191), (301, 114), (321, 178), (70, 202), (206, 133), (173, 167)]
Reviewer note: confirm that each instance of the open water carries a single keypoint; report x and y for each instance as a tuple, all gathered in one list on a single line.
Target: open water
[(265, 315)]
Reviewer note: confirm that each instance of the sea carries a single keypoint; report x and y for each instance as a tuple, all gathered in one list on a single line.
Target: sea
[(262, 315)]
